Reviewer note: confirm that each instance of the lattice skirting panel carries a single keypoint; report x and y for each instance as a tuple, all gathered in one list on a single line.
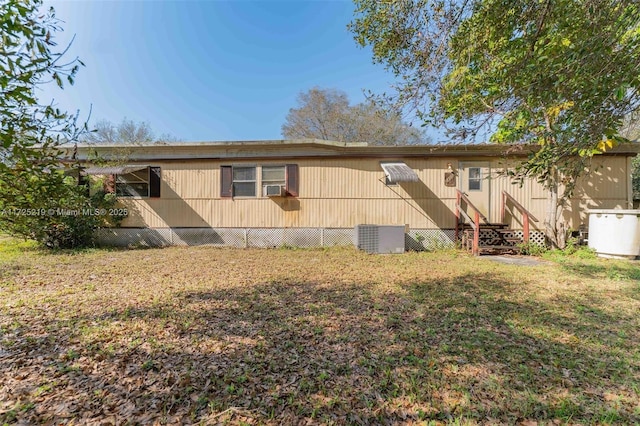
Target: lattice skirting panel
[(490, 236), (535, 237), (415, 239), (226, 237)]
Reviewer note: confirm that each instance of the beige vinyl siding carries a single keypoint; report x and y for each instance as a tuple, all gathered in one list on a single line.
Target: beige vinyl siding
[(530, 194), (526, 194), (344, 192), (606, 187), (189, 180)]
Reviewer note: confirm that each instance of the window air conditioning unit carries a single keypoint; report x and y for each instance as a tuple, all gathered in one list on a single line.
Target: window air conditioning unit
[(380, 238), (274, 191)]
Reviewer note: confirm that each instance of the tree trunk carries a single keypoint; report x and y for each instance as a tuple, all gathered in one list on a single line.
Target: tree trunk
[(555, 230), (551, 220)]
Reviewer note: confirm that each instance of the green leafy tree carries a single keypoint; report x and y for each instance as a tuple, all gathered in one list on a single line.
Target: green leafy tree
[(30, 130), (37, 194), (560, 74), (327, 114)]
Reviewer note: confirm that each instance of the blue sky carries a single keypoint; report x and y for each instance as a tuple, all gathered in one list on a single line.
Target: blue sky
[(209, 70)]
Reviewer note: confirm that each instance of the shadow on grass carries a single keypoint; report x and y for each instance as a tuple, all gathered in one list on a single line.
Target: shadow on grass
[(289, 352), (593, 267), (616, 270)]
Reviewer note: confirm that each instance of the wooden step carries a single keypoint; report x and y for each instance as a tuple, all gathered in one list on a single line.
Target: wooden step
[(468, 234), (494, 226), (495, 238), (498, 249)]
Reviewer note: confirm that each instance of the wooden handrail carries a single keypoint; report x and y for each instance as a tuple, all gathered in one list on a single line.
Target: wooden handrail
[(463, 196), (466, 216), (526, 215), (475, 223), (518, 206)]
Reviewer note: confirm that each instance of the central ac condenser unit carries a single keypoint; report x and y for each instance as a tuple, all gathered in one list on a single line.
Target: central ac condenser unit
[(380, 238)]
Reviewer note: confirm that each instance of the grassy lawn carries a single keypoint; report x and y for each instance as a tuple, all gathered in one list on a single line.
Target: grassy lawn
[(205, 335)]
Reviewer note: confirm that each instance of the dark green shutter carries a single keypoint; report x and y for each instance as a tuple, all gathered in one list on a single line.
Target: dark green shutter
[(154, 182), (292, 177), (226, 181)]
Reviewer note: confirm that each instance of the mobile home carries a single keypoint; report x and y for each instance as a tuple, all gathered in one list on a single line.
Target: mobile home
[(312, 192)]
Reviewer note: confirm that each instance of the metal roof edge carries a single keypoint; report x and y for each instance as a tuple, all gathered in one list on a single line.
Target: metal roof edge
[(221, 144), (314, 148)]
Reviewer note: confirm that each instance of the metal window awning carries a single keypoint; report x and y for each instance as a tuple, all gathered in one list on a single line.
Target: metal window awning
[(399, 172), (114, 170)]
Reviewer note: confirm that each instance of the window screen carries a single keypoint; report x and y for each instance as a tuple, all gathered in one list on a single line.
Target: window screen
[(134, 184), (244, 181)]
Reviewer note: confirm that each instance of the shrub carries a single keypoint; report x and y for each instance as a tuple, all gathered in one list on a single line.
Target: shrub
[(52, 209), (532, 249)]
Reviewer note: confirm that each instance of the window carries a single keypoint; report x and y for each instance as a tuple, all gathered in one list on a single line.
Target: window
[(273, 175), (244, 181), (135, 184), (475, 178), (139, 183), (241, 181)]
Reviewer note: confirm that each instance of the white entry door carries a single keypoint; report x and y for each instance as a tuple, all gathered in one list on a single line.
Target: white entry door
[(476, 184)]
